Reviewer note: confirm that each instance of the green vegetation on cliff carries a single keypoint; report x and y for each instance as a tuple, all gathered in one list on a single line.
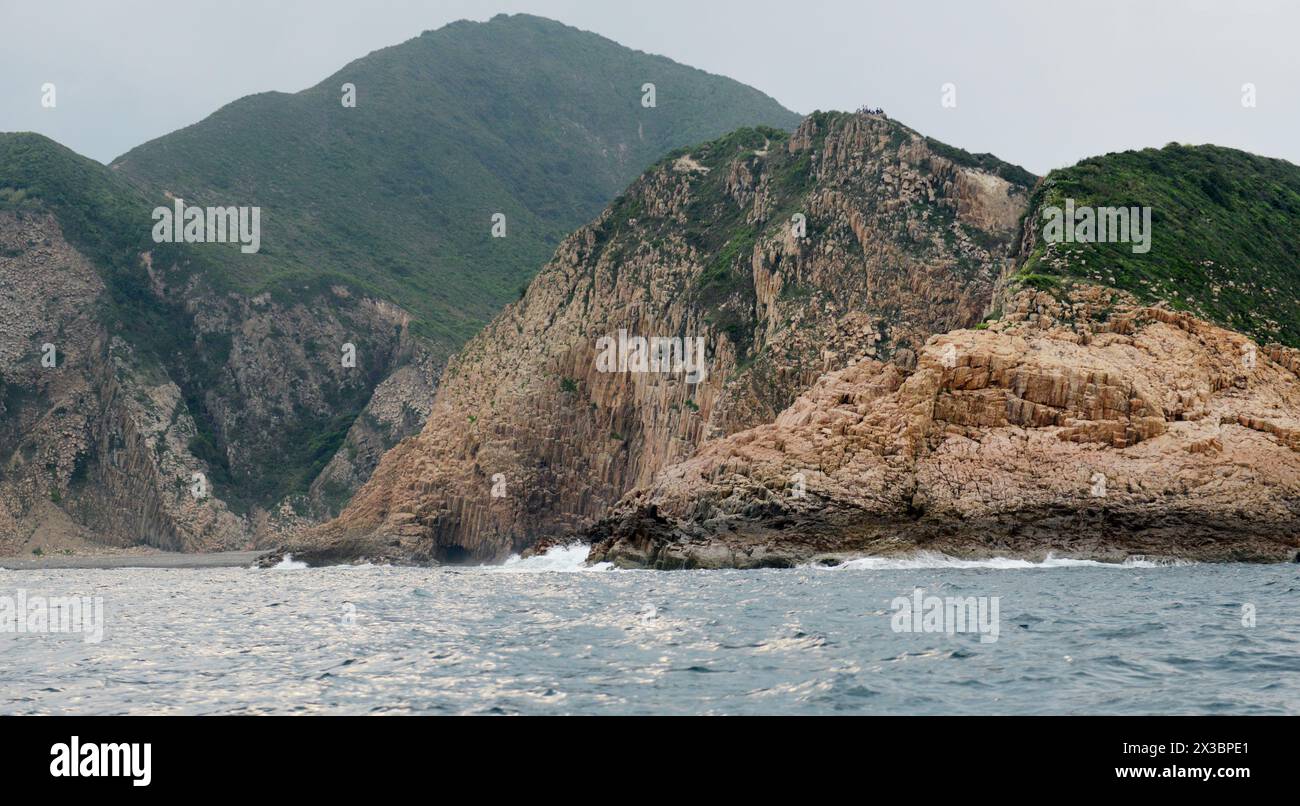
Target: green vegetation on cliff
[(108, 220), (105, 218), (721, 226), (1223, 243), (395, 197)]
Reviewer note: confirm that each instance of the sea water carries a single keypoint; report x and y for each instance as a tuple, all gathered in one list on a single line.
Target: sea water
[(549, 635)]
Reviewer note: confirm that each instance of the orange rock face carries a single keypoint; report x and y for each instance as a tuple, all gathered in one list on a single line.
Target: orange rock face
[(1026, 438)]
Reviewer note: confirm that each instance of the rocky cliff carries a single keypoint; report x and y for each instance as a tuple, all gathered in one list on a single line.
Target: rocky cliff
[(140, 404), (1117, 401), (898, 360), (98, 439), (1096, 428), (786, 256), (93, 443)]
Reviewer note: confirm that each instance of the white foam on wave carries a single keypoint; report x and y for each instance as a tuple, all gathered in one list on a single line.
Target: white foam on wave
[(289, 564), (932, 559), (559, 559), (1138, 561)]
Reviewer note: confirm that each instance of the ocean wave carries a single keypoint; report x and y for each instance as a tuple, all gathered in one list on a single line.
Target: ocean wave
[(559, 559), (289, 564)]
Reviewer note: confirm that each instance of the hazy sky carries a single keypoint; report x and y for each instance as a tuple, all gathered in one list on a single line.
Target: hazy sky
[(1041, 84)]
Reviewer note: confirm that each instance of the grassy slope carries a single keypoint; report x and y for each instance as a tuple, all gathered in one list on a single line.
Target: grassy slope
[(518, 115), (1224, 234), (102, 215)]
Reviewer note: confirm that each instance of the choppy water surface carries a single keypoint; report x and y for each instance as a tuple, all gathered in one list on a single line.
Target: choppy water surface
[(536, 637)]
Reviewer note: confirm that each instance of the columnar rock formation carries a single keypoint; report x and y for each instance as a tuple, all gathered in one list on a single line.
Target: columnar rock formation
[(856, 402), (789, 256)]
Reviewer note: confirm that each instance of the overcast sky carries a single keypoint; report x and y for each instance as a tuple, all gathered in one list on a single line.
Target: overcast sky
[(1041, 84)]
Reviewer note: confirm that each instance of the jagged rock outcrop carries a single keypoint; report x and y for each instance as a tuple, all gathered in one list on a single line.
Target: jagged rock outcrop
[(1091, 427), (788, 256)]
